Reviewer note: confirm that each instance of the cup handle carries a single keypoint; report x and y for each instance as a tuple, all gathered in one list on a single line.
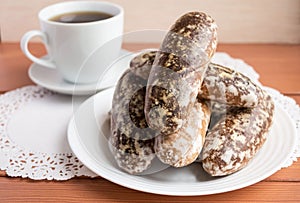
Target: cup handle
[(24, 46)]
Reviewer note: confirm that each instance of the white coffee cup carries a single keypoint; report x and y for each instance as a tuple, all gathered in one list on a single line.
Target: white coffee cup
[(69, 45)]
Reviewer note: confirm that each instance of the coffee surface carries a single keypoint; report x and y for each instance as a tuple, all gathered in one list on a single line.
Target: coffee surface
[(81, 17)]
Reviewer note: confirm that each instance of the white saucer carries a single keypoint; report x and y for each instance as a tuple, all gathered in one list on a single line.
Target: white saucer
[(52, 80)]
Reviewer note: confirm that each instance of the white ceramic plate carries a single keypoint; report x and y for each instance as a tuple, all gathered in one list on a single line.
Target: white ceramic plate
[(89, 127), (52, 80)]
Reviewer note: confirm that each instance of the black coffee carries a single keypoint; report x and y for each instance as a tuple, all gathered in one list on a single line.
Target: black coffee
[(81, 17)]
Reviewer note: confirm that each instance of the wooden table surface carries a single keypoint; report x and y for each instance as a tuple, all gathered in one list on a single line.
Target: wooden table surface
[(278, 66)]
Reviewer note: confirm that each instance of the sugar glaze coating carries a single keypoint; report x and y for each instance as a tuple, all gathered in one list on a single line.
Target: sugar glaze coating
[(237, 137), (221, 86), (132, 141), (177, 70), (227, 86), (182, 148)]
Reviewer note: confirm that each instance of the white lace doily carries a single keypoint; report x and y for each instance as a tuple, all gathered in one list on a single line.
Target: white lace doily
[(33, 135), (33, 129), (293, 109)]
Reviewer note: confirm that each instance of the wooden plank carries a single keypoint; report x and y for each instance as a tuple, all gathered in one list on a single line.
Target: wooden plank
[(14, 65), (295, 97), (90, 190), (2, 173), (292, 173), (276, 64)]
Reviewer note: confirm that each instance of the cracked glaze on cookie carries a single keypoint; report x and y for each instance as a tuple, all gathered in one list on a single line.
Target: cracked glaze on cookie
[(132, 141), (229, 87), (237, 137), (182, 148), (177, 71)]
